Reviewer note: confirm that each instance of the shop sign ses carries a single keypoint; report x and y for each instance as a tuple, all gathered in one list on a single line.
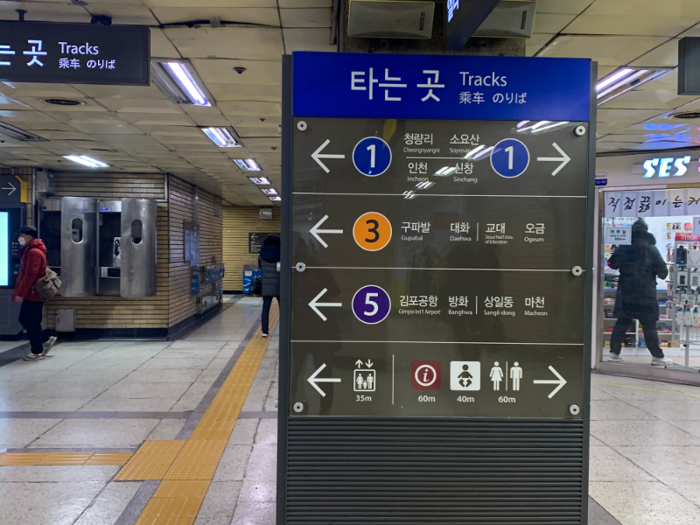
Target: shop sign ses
[(666, 167), (74, 53)]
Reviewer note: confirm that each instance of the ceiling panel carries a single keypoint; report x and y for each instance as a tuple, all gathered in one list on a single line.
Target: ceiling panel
[(255, 109), (606, 50), (662, 99), (158, 119), (124, 13), (45, 12), (537, 42), (228, 42), (629, 24), (31, 89), (666, 55), (247, 15), (205, 117), (212, 3), (308, 39), (306, 17), (688, 9), (257, 72), (551, 23), (139, 105), (223, 92), (121, 92), (569, 7), (161, 47)]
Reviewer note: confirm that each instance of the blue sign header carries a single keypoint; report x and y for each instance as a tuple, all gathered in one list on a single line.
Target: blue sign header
[(441, 87)]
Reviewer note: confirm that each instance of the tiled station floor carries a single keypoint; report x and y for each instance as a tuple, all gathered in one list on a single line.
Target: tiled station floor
[(109, 433)]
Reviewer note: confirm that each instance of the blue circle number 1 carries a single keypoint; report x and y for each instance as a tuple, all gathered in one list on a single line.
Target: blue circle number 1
[(510, 158), (372, 156)]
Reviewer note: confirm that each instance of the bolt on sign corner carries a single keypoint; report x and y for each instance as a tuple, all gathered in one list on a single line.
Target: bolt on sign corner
[(438, 265)]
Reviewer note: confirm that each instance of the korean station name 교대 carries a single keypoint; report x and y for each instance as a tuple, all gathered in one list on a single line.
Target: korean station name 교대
[(38, 54), (430, 87)]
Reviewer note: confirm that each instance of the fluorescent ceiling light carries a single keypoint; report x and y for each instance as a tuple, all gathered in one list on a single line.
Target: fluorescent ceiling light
[(260, 181), (13, 132), (178, 80), (624, 80), (247, 164), (276, 199), (222, 137), (86, 161), (269, 191)]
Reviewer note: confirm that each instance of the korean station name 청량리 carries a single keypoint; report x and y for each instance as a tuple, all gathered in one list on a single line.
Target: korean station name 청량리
[(430, 87), (38, 55)]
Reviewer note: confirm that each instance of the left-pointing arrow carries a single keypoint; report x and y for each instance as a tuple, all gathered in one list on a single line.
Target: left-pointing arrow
[(314, 304), (314, 379), (563, 160), (317, 156), (11, 188), (560, 382), (315, 231)]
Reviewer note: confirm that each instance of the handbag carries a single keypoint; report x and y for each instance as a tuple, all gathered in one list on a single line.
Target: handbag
[(255, 286), (48, 286)]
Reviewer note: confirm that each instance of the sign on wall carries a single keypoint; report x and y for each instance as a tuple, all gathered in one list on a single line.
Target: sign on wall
[(256, 239), (74, 53), (652, 203)]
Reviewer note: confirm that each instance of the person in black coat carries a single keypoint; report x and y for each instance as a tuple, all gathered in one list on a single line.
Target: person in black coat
[(639, 264), (268, 260)]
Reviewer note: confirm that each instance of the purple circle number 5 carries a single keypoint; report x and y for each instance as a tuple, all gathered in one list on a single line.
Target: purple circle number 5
[(371, 304)]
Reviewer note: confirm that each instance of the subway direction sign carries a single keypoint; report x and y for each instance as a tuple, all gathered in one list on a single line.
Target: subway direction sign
[(74, 53), (441, 87), (438, 264), (256, 239)]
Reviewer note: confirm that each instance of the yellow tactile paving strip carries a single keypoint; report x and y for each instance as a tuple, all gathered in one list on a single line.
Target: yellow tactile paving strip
[(151, 461), (188, 474), (28, 459)]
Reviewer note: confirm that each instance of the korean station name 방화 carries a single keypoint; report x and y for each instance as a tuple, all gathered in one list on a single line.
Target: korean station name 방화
[(84, 49)]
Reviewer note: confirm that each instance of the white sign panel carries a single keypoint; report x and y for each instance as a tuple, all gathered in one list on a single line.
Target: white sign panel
[(629, 204), (676, 202), (618, 235), (645, 204), (613, 206), (660, 204)]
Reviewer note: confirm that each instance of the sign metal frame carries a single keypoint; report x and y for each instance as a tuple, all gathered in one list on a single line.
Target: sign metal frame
[(285, 415)]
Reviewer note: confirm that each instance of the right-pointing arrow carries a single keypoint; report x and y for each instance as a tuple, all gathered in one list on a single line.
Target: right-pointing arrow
[(560, 382), (317, 156), (314, 304), (315, 231), (11, 188), (563, 160)]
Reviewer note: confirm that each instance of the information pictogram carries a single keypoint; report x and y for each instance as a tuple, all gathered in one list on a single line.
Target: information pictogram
[(465, 375), (425, 375), (372, 231), (371, 304), (364, 376), (372, 156)]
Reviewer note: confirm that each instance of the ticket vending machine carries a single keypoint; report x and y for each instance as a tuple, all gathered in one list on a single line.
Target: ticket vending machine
[(78, 239)]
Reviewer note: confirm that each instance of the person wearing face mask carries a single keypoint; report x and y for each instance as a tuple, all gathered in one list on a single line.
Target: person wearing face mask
[(32, 268)]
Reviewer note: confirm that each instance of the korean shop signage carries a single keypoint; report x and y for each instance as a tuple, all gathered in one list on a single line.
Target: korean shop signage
[(441, 87), (74, 53), (666, 167)]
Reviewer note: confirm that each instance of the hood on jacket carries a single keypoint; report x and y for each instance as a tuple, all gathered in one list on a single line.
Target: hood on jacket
[(270, 253), (36, 243)]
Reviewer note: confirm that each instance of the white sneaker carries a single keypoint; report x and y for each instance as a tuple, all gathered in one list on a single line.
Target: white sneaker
[(661, 361), (615, 358), (48, 345), (265, 335), (33, 357)]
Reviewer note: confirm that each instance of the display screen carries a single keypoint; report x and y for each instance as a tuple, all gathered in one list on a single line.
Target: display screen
[(4, 249)]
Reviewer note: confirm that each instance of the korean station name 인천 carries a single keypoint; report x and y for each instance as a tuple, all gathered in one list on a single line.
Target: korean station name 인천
[(430, 87), (37, 54)]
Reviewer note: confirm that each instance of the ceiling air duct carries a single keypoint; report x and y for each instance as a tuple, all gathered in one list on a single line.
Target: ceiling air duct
[(390, 19)]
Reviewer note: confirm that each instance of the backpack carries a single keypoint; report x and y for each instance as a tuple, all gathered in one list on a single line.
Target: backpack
[(48, 286), (255, 286)]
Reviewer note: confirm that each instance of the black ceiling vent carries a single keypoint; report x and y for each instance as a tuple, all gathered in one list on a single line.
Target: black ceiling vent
[(687, 115), (62, 102)]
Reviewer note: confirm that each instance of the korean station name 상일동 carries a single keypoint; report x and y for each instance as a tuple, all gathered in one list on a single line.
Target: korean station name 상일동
[(389, 85), (36, 55)]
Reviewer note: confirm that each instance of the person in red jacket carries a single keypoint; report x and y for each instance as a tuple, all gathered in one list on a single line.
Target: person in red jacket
[(32, 268)]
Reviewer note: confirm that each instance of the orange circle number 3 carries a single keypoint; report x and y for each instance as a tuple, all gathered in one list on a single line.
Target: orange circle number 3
[(372, 231)]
